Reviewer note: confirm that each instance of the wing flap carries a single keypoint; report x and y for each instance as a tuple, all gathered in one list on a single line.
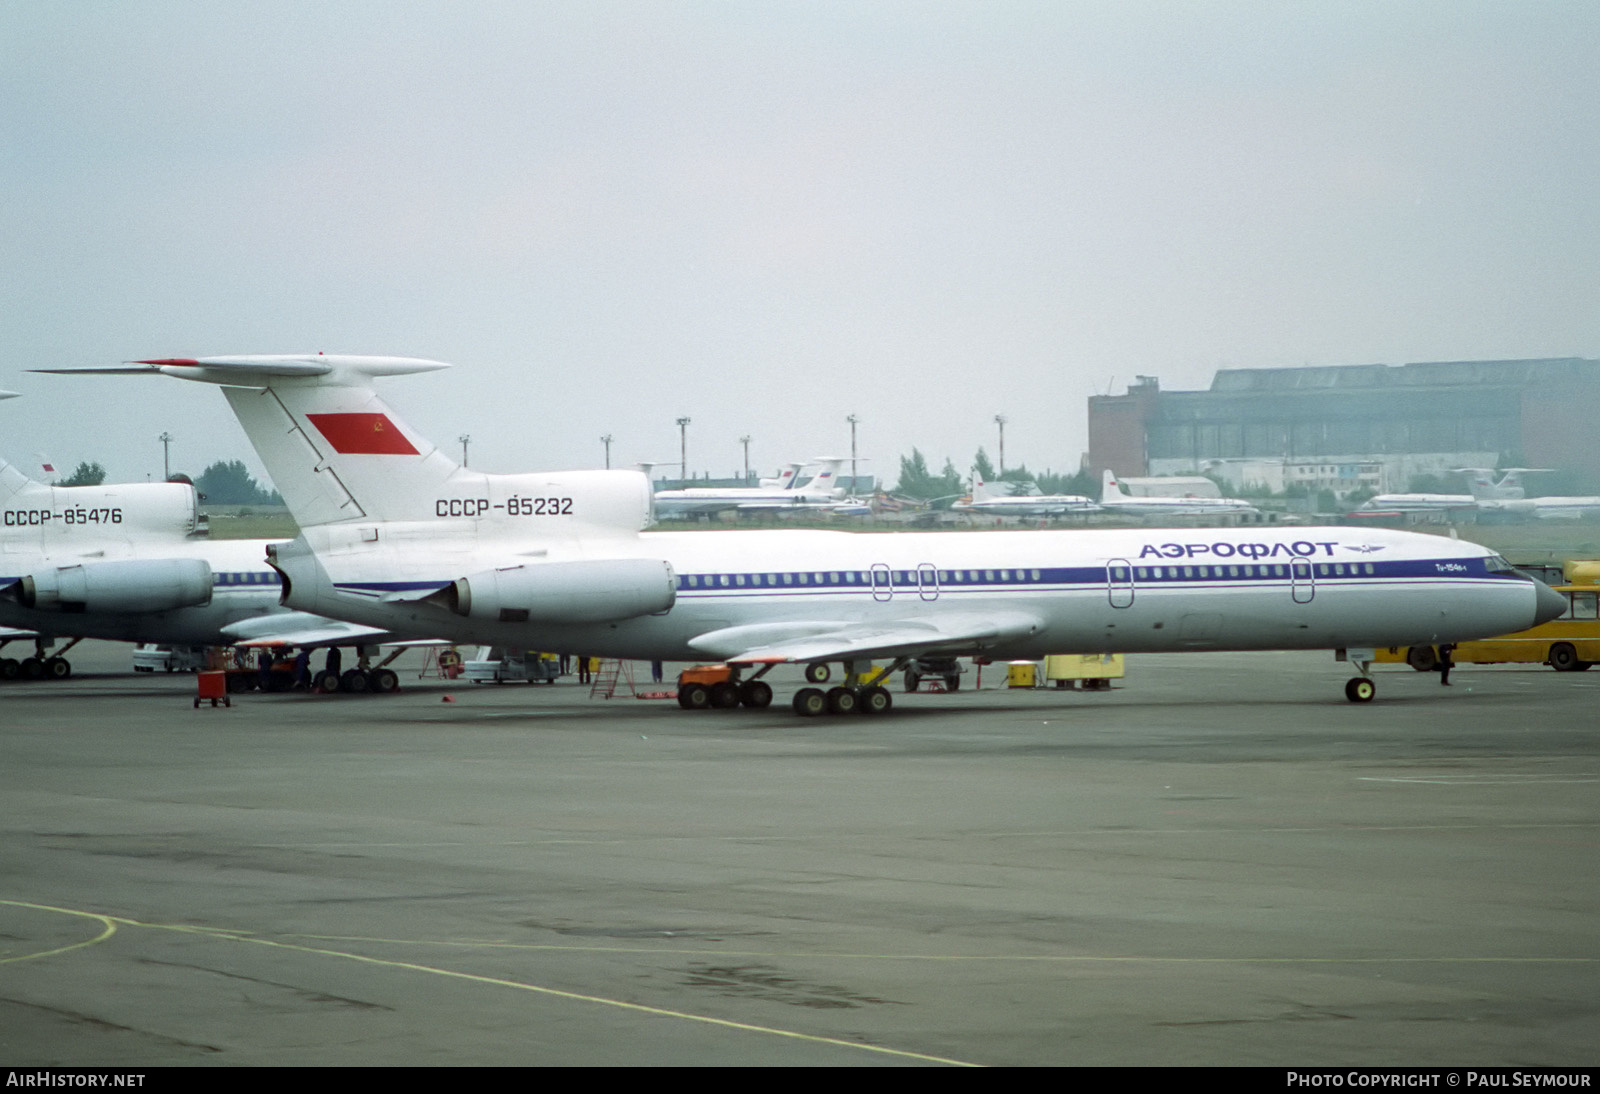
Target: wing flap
[(956, 632), (300, 629)]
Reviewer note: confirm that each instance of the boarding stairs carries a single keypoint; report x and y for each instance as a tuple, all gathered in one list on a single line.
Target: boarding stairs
[(611, 674)]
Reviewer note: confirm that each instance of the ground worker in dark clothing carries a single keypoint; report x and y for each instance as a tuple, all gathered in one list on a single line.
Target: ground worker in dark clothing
[(1445, 663)]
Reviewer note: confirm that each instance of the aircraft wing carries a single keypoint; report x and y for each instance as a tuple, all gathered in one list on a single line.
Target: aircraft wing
[(914, 636), (302, 629), (8, 634)]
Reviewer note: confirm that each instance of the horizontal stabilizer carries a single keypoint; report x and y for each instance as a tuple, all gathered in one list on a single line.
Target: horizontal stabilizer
[(241, 368)]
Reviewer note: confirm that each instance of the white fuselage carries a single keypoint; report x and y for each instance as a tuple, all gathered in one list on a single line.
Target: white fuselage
[(1416, 503), (1086, 591), (712, 499), (819, 492), (1037, 505), (1548, 508), (1155, 507)]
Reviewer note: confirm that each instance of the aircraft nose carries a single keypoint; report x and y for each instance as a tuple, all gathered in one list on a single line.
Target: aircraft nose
[(1549, 603)]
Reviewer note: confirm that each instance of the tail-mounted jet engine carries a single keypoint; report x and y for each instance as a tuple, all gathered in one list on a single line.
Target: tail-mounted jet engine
[(152, 585), (564, 592)]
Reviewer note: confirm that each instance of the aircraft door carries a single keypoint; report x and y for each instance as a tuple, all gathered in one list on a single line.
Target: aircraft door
[(927, 582), (882, 583), (1302, 584), (1119, 582)]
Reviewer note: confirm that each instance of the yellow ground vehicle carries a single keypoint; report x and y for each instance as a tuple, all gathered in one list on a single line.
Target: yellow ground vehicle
[(1568, 644)]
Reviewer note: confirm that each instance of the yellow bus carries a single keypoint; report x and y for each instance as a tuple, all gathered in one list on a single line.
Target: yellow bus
[(1568, 644)]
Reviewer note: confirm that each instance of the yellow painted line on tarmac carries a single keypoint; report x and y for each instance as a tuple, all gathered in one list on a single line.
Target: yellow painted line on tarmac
[(108, 922), (599, 1000)]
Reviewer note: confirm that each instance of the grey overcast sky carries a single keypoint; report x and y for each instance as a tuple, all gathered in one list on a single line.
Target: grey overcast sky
[(769, 215)]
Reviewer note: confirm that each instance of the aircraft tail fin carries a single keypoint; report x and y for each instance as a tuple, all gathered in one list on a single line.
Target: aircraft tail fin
[(1111, 489), (1482, 487), (980, 488), (826, 480), (789, 477), (13, 480), (335, 450), (338, 453), (1510, 485)]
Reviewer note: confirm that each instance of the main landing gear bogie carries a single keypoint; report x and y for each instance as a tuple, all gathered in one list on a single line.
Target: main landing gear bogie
[(813, 702), (35, 668), (725, 695), (718, 687)]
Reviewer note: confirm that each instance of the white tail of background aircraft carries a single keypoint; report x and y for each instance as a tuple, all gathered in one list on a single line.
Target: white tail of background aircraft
[(1115, 498), (1483, 487), (1508, 497)]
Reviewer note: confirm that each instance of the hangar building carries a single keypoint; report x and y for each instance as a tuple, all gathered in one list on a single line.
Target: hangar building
[(1343, 426)]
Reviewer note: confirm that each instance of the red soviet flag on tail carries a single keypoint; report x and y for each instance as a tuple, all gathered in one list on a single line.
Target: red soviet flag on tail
[(362, 434)]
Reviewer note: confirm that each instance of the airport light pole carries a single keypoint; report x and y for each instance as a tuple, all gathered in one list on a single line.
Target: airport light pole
[(852, 419), (465, 439), (1000, 420), (745, 440), (683, 448), (166, 440), (606, 440)]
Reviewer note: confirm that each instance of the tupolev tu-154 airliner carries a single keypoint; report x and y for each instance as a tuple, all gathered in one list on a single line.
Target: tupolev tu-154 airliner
[(395, 534)]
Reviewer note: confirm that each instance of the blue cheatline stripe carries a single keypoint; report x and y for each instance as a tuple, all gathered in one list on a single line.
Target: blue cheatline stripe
[(1166, 573), (254, 579), (1151, 573)]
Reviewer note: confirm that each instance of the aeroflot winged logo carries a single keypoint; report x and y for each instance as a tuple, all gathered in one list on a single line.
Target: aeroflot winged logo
[(362, 434)]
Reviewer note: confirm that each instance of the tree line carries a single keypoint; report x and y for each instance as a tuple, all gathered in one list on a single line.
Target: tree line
[(226, 482)]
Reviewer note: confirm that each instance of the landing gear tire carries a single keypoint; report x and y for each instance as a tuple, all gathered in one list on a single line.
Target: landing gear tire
[(952, 683), (385, 682), (57, 668), (818, 673), (328, 682), (32, 668), (725, 695), (810, 702), (1563, 658), (842, 701), (694, 697), (1360, 690), (1422, 658), (755, 694), (10, 668), (912, 680), (354, 681), (876, 700)]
